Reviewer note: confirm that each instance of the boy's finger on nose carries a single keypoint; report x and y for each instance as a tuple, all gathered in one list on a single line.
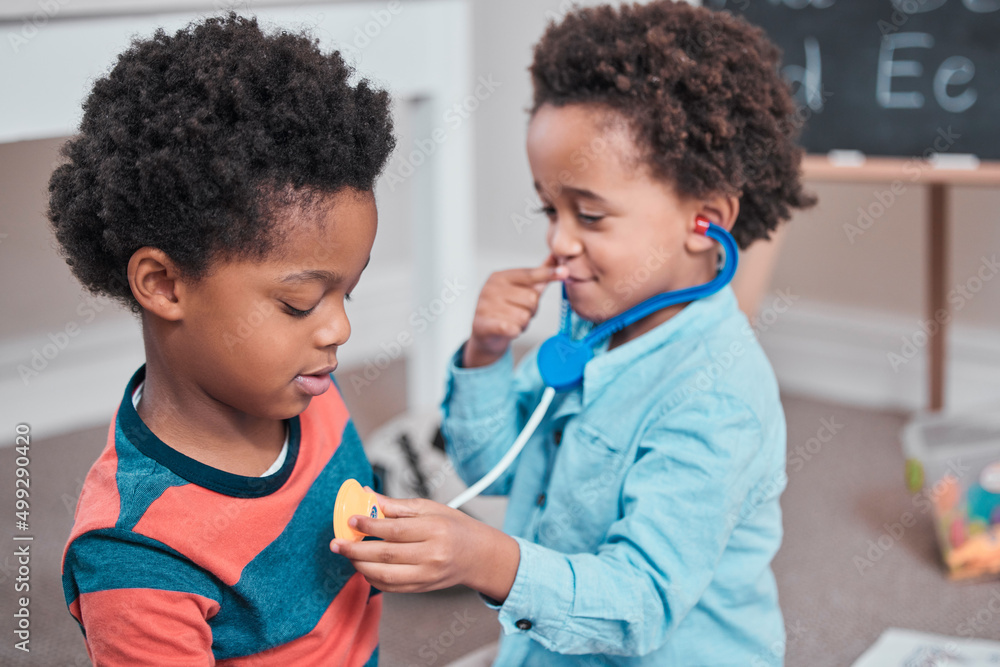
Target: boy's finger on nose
[(543, 275), (559, 273)]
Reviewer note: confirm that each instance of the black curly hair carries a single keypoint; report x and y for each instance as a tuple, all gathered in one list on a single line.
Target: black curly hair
[(192, 142), (701, 93)]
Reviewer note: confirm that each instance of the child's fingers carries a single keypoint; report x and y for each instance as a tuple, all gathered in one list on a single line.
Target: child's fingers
[(558, 273), (540, 275), (505, 328), (395, 507), (394, 578), (371, 551), (391, 529), (523, 299)]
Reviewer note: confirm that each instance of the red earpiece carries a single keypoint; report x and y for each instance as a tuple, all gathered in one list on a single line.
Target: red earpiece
[(701, 224)]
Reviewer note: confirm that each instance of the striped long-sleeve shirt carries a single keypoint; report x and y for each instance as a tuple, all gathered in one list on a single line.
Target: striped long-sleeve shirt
[(172, 562)]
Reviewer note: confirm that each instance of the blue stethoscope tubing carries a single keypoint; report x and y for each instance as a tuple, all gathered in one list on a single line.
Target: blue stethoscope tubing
[(561, 360)]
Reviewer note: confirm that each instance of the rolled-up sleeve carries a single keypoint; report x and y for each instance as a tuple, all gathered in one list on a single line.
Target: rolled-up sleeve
[(682, 496)]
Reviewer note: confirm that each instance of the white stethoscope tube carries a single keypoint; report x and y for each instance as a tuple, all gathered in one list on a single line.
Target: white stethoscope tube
[(508, 458)]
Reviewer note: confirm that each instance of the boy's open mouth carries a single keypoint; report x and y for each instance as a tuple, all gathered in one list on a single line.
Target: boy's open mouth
[(315, 383)]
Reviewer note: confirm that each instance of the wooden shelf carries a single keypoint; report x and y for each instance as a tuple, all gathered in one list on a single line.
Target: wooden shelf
[(938, 181), (886, 169)]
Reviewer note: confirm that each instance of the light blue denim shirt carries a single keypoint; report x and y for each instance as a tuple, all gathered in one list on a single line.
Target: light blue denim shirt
[(645, 505)]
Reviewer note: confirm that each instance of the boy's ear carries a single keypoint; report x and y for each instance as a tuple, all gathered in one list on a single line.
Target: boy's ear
[(723, 211), (155, 283)]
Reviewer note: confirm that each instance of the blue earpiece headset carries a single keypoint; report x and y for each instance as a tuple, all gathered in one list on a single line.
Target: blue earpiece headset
[(561, 360)]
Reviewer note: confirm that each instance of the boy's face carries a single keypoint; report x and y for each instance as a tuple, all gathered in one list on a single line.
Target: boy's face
[(261, 336), (620, 231)]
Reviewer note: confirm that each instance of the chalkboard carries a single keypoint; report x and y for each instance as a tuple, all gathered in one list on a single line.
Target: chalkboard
[(898, 78)]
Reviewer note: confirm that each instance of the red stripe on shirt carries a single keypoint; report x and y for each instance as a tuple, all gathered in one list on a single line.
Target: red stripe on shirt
[(224, 534), (142, 626)]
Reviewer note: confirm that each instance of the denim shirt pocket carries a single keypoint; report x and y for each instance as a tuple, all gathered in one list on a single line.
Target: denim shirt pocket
[(581, 499)]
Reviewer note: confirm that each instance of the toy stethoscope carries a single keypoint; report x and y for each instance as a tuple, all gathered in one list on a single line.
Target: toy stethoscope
[(561, 363)]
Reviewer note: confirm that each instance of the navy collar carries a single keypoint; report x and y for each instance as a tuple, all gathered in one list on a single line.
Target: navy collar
[(196, 472)]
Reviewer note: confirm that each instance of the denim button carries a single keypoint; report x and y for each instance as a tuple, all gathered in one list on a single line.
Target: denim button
[(523, 624), (541, 499)]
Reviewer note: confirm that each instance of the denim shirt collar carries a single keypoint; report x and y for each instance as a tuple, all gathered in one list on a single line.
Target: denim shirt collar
[(695, 319)]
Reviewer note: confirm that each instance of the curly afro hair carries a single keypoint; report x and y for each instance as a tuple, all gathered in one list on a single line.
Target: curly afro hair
[(192, 142), (702, 96)]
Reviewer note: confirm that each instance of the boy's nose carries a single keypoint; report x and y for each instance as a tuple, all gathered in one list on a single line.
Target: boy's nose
[(335, 331), (563, 242)]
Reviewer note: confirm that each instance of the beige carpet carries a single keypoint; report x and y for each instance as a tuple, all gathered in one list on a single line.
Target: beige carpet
[(844, 495), (849, 493)]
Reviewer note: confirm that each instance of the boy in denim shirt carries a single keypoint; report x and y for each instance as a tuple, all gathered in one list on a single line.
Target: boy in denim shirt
[(644, 511)]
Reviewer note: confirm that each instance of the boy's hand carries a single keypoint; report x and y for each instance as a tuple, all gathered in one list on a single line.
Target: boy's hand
[(427, 546), (506, 305)]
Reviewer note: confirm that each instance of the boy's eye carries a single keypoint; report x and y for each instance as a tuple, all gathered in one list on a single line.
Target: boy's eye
[(295, 312), (348, 297), (550, 211)]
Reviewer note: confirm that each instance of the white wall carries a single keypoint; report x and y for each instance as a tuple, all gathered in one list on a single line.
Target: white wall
[(64, 355), (856, 302)]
